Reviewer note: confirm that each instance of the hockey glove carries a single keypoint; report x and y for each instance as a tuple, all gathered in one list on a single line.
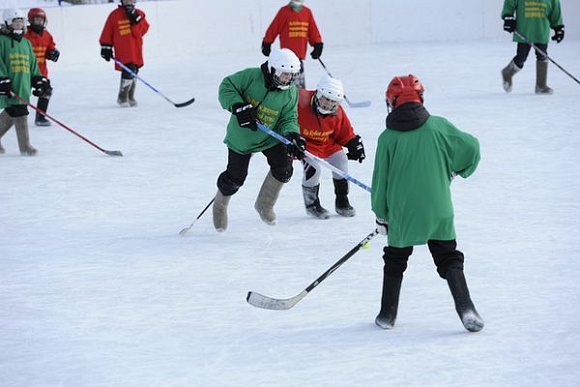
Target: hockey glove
[(382, 226), (558, 34), (509, 24), (5, 86), (356, 149), (297, 147), (317, 51), (266, 48), (53, 55), (132, 13), (40, 85), (106, 52), (246, 114)]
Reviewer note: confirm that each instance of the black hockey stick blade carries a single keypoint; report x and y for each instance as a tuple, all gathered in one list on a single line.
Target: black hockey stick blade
[(113, 153), (361, 104), (260, 301), (184, 104)]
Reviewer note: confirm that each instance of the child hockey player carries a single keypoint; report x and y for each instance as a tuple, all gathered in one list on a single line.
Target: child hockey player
[(417, 156), (327, 129), (122, 37), (533, 19), (18, 73), (295, 26), (44, 49), (264, 94)]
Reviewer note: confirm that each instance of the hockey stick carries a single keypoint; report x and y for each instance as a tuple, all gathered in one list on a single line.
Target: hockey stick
[(260, 301), (185, 230), (522, 36), (108, 152), (133, 73), (360, 104), (309, 155)]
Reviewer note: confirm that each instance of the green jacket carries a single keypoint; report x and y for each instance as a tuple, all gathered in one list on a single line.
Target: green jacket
[(412, 175), (277, 110), (534, 18), (17, 62)]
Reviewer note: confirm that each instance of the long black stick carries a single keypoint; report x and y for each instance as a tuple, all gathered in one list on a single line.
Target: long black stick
[(185, 230), (522, 36), (260, 301)]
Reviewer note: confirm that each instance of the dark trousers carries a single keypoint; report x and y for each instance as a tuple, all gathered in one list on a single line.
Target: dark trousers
[(128, 75), (445, 255), (524, 50), (230, 180)]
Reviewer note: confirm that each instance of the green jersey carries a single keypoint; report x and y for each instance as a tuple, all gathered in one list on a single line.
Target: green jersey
[(534, 18), (17, 62), (277, 109)]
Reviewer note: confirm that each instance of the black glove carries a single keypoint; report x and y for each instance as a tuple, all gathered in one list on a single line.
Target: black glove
[(132, 13), (40, 85), (315, 54), (53, 55), (558, 34), (297, 147), (356, 149), (5, 86), (246, 114), (106, 52), (266, 48), (509, 24)]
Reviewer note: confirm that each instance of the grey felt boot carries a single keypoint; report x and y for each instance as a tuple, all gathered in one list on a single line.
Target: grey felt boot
[(6, 123), (507, 75), (542, 78), (132, 101), (267, 198), (21, 126), (220, 211), (123, 98)]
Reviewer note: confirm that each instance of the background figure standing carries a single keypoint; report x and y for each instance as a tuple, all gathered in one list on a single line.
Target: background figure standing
[(18, 73), (533, 19), (264, 94), (122, 37), (44, 49), (295, 26), (327, 129), (417, 156)]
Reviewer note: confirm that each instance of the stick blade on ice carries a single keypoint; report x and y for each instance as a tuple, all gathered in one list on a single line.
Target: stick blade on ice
[(264, 302)]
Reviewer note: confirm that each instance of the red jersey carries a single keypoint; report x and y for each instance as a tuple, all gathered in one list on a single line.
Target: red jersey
[(41, 43), (324, 134), (126, 38), (295, 29)]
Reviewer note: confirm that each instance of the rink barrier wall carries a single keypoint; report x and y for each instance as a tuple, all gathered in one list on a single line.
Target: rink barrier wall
[(183, 29)]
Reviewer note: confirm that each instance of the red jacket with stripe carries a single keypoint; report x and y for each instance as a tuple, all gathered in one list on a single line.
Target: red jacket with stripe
[(126, 38), (295, 30), (41, 44), (324, 134)]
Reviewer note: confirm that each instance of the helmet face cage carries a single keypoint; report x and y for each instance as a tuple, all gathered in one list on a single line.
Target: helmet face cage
[(37, 17), (329, 95)]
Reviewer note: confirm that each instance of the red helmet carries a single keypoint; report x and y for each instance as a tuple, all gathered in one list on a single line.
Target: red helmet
[(404, 89), (36, 12)]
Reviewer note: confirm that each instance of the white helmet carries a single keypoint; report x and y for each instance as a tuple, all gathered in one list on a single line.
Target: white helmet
[(283, 65), (329, 95), (8, 17)]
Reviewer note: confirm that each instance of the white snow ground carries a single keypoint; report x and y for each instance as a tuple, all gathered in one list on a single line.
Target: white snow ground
[(98, 289)]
